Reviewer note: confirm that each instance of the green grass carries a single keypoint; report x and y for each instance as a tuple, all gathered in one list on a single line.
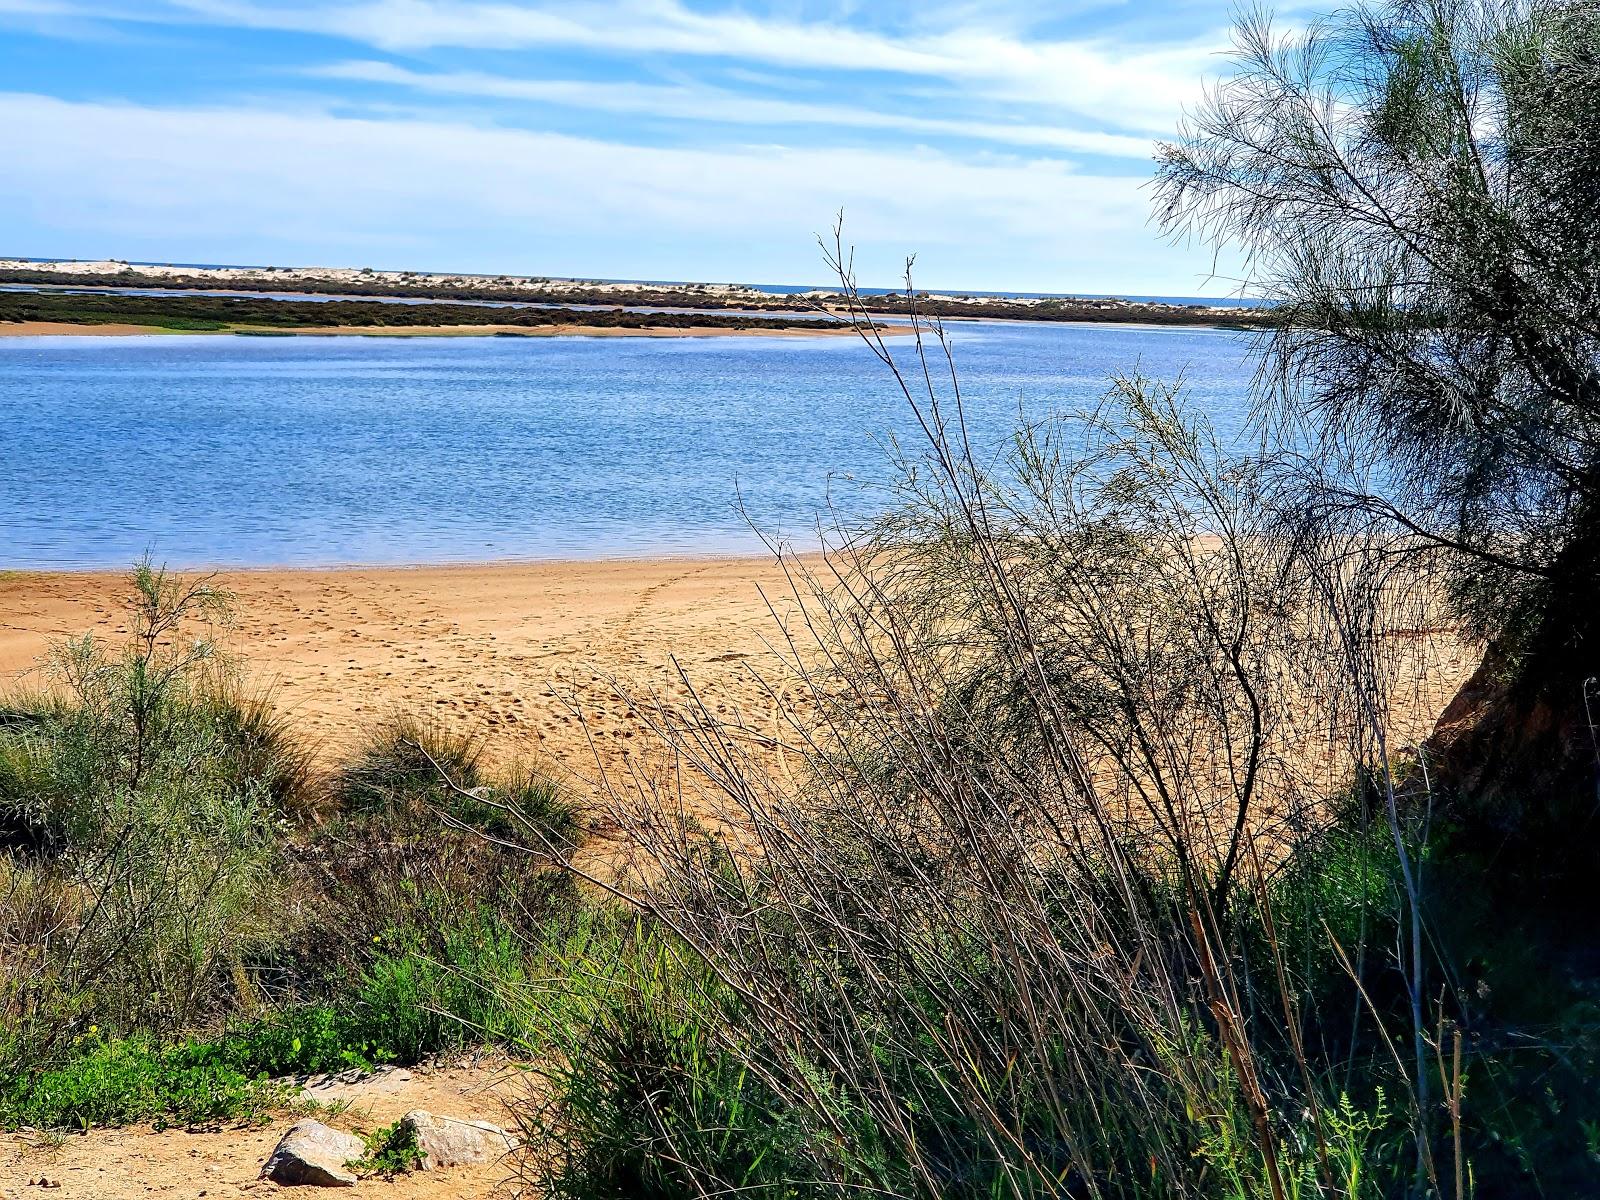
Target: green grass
[(402, 1009), (406, 766), (133, 1080), (635, 1061)]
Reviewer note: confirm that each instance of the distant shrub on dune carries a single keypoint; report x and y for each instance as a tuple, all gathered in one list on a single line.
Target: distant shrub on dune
[(412, 769), (405, 765)]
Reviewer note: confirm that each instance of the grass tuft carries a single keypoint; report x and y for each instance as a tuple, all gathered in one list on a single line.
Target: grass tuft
[(405, 768)]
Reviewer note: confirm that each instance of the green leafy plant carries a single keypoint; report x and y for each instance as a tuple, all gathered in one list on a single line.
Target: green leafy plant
[(124, 1081), (391, 1150)]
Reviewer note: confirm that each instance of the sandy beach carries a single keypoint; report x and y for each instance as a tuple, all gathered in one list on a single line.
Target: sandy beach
[(511, 652)]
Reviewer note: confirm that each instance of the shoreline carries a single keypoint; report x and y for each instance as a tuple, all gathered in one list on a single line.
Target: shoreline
[(650, 558), (887, 326)]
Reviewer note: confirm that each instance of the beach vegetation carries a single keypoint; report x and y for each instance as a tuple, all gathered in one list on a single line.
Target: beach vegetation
[(1121, 856), (192, 908), (391, 1150), (1107, 845), (1414, 186), (212, 314), (410, 770)]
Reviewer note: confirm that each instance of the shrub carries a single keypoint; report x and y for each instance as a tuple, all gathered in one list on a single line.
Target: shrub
[(1067, 718), (522, 807), (411, 772), (424, 840), (642, 1097), (405, 769), (392, 1150), (165, 712), (145, 792)]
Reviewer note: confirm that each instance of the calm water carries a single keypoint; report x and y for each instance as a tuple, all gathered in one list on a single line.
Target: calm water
[(266, 451)]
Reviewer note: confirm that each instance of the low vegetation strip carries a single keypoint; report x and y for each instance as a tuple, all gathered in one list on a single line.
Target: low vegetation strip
[(219, 313), (1109, 311), (1101, 311)]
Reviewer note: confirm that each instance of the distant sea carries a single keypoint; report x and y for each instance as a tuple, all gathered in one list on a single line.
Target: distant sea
[(247, 451)]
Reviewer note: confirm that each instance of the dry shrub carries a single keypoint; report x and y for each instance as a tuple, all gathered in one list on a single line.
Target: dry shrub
[(1010, 931)]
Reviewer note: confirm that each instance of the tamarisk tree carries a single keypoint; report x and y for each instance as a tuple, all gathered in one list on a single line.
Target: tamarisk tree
[(1417, 185)]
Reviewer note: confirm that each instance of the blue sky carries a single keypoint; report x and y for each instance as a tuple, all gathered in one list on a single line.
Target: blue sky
[(1005, 143)]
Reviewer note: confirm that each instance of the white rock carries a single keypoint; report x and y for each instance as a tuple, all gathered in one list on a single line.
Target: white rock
[(453, 1142), (312, 1153)]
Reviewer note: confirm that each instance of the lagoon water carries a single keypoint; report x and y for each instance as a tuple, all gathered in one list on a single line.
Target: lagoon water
[(248, 451)]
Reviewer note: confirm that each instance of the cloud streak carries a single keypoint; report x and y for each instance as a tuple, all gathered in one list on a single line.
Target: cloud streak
[(1138, 88), (721, 106)]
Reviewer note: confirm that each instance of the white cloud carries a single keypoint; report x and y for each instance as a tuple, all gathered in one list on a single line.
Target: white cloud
[(231, 184), (1127, 87), (973, 122), (722, 106)]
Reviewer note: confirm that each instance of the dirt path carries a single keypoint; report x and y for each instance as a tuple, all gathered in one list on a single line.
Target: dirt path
[(225, 1163)]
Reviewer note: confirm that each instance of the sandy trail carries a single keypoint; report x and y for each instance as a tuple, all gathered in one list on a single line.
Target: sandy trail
[(223, 1163)]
